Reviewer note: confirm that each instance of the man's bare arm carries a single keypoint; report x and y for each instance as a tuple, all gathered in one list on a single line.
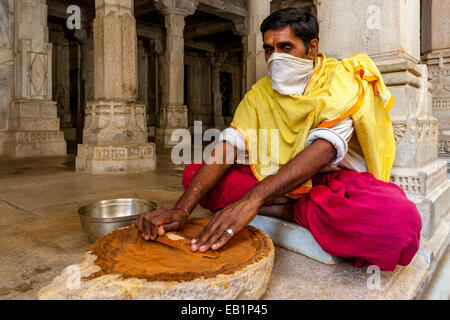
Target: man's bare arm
[(152, 224), (222, 158), (296, 172), (239, 214)]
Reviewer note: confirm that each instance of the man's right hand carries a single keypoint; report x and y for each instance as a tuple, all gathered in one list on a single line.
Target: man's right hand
[(156, 223)]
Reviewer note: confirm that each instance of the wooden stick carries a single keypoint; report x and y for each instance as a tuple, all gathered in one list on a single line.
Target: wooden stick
[(179, 241)]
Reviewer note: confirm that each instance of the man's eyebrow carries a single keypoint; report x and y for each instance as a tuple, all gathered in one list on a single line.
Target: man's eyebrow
[(284, 44), (267, 46)]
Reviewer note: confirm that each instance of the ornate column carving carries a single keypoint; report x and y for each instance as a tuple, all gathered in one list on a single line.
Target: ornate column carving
[(115, 133), (173, 113), (34, 128), (436, 30), (255, 63), (143, 85), (390, 33), (159, 61), (85, 39)]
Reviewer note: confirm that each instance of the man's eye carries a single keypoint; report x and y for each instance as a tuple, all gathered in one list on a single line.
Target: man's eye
[(287, 48)]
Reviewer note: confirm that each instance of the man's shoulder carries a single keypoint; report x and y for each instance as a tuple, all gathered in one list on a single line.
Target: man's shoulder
[(359, 58), (262, 85), (263, 82), (360, 55), (360, 61)]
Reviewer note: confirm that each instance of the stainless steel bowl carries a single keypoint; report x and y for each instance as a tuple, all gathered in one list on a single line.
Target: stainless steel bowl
[(101, 217)]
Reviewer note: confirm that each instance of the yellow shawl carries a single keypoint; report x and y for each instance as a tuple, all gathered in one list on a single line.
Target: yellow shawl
[(337, 89)]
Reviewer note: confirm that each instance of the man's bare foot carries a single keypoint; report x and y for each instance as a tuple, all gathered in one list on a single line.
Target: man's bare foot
[(283, 211)]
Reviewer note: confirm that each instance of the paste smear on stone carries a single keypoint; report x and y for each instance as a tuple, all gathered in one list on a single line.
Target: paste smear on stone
[(125, 252)]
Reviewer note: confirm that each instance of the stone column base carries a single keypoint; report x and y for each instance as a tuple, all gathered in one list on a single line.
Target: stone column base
[(70, 132), (434, 208), (172, 118), (116, 159), (24, 144), (34, 130)]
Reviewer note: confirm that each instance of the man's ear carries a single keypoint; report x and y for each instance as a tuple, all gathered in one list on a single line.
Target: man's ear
[(313, 49)]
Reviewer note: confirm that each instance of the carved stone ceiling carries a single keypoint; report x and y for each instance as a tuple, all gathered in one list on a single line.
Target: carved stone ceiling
[(201, 26), (212, 22), (143, 7), (58, 8)]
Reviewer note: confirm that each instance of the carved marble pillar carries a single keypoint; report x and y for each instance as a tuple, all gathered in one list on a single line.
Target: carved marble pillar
[(216, 62), (143, 69), (436, 54), (34, 124), (6, 69), (193, 81), (390, 33), (147, 90), (115, 132), (85, 39), (157, 62), (174, 113), (61, 85), (255, 63)]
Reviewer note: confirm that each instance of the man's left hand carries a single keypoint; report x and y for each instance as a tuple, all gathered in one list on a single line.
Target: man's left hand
[(235, 217)]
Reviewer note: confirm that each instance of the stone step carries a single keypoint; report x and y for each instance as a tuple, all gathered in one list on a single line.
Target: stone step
[(439, 287), (290, 235)]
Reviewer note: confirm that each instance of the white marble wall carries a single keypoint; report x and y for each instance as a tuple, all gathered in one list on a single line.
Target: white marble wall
[(6, 63), (392, 26), (115, 136), (436, 54), (389, 32)]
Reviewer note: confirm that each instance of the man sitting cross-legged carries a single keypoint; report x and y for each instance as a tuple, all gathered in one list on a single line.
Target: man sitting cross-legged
[(326, 168)]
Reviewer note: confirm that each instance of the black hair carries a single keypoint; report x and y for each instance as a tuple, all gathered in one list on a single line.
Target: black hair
[(303, 23)]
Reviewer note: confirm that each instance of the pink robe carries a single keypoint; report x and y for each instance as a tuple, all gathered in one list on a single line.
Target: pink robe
[(350, 214)]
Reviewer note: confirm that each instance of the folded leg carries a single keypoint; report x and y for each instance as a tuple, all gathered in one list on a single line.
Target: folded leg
[(354, 215), (236, 182)]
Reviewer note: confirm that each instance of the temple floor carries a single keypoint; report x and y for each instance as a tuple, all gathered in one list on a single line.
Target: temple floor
[(40, 234)]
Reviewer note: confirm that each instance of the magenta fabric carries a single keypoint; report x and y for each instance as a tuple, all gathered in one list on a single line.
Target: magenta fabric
[(351, 215)]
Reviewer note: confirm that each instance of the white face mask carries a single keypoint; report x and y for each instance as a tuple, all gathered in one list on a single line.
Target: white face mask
[(288, 73)]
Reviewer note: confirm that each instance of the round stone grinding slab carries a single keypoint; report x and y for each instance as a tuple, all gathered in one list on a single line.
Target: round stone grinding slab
[(122, 265)]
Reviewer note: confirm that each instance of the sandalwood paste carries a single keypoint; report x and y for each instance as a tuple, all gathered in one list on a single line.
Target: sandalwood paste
[(125, 252)]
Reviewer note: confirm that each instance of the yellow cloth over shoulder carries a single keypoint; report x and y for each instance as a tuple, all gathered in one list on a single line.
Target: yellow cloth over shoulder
[(275, 126)]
